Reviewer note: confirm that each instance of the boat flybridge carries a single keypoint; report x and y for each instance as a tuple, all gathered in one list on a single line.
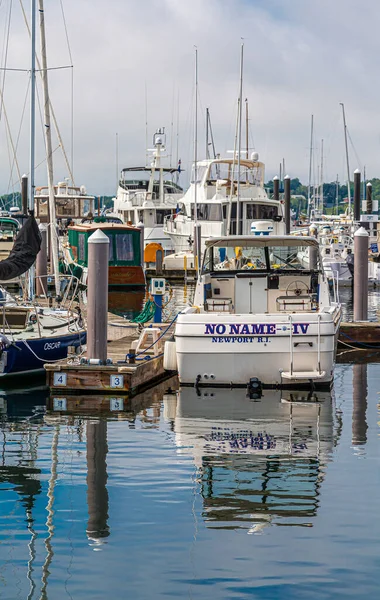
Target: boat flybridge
[(215, 189), (144, 198), (72, 203), (258, 314)]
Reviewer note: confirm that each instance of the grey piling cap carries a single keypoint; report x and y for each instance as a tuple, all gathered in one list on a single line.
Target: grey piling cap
[(287, 177), (24, 176), (98, 237), (357, 171), (361, 232), (275, 178), (369, 184)]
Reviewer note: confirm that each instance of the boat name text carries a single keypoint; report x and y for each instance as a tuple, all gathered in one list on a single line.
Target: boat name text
[(254, 328), (52, 345)]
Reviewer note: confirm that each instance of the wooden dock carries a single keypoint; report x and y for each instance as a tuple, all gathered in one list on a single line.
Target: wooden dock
[(362, 334), (119, 405), (118, 377)]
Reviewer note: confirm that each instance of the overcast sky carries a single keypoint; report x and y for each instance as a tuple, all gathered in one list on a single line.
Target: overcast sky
[(300, 57)]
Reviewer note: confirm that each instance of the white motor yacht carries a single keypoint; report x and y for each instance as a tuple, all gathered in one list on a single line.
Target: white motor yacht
[(218, 204), (146, 197), (259, 314)]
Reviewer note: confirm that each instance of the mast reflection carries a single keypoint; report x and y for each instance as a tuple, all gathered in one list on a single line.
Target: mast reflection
[(258, 462)]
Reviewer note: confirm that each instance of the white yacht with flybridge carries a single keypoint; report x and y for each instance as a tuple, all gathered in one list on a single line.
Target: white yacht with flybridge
[(259, 315), (219, 203), (148, 195)]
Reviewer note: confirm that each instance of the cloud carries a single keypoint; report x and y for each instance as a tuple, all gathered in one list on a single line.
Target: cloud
[(300, 57)]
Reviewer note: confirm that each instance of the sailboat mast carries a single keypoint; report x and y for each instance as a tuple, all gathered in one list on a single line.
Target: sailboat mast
[(49, 151), (321, 190), (207, 142), (337, 194), (310, 167), (246, 131), (196, 140), (347, 161), (32, 127), (238, 216)]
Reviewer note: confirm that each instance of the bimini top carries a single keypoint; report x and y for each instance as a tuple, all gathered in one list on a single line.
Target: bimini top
[(261, 241)]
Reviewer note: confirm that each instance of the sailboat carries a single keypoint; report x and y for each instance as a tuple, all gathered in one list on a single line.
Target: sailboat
[(33, 335)]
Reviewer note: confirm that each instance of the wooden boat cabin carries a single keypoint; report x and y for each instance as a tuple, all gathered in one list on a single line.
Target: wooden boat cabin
[(71, 203), (125, 260)]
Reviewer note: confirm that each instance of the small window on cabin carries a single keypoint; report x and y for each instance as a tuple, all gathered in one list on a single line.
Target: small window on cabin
[(141, 216), (161, 215), (110, 237), (82, 246), (124, 247)]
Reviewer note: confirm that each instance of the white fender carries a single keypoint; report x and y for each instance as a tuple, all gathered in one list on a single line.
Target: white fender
[(170, 356)]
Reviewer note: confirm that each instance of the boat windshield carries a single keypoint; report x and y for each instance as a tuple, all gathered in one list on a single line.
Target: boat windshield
[(247, 258)]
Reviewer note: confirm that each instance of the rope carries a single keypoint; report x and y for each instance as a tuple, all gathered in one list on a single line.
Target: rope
[(365, 346), (43, 360), (146, 314), (158, 339)]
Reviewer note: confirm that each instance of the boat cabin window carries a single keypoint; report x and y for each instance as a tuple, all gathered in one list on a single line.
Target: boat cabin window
[(82, 246), (208, 212), (261, 211), (244, 258), (200, 174), (287, 257), (124, 247), (110, 237), (223, 171), (161, 214)]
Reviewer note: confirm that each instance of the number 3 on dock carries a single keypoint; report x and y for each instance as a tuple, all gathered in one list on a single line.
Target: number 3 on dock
[(117, 381)]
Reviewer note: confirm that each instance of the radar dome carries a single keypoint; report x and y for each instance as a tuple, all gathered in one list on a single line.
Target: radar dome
[(255, 156)]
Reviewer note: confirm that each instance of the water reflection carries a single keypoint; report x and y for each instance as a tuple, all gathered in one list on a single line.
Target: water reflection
[(97, 494), (257, 462), (359, 409)]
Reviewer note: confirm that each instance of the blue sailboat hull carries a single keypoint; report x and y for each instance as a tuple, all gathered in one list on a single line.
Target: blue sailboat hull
[(25, 357)]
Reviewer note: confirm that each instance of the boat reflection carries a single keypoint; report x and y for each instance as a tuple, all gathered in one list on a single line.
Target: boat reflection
[(258, 462)]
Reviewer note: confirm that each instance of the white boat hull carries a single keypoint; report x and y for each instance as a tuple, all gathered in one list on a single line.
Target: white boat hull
[(288, 351)]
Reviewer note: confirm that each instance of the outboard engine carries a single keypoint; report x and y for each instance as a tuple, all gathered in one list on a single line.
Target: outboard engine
[(262, 227)]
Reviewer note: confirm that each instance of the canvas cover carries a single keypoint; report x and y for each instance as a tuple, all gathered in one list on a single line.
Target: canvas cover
[(24, 252)]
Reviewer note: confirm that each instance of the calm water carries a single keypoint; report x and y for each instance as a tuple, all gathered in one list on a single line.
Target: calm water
[(186, 496)]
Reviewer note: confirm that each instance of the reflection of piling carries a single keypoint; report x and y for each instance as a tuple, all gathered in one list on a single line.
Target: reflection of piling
[(359, 422), (97, 494), (97, 295), (24, 194), (361, 275), (287, 203), (357, 193), (276, 188)]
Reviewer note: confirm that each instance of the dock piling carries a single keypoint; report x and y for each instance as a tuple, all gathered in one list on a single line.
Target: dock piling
[(276, 188), (97, 295), (24, 194), (357, 194), (361, 275), (287, 203), (369, 206)]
